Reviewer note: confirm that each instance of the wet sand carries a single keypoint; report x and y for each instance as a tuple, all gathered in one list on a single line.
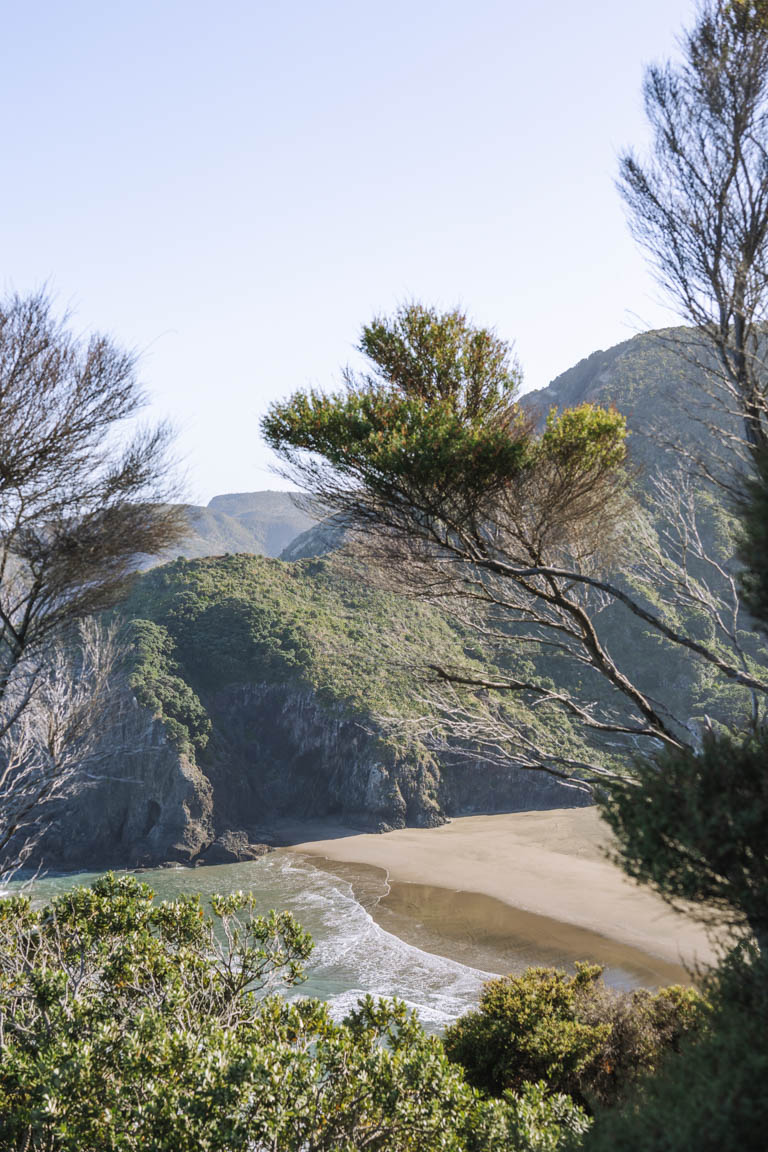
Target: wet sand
[(502, 892)]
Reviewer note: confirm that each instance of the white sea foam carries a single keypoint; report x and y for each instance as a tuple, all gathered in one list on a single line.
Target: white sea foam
[(356, 952), (353, 955)]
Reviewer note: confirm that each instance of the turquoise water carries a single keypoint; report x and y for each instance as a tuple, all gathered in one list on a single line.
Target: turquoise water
[(353, 955)]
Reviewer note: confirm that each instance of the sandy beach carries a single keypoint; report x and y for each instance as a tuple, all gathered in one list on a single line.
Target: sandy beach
[(531, 885)]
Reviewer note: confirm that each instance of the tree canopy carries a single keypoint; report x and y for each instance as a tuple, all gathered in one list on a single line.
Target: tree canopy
[(699, 203), (514, 528)]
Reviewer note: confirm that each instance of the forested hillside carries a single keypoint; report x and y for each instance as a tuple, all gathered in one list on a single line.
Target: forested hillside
[(272, 689), (656, 381)]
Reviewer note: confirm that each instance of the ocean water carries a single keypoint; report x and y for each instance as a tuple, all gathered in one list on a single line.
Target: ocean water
[(353, 955)]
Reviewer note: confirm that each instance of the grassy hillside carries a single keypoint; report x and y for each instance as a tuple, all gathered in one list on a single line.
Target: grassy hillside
[(200, 625)]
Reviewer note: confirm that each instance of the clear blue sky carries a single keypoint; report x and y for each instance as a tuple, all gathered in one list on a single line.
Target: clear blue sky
[(234, 189)]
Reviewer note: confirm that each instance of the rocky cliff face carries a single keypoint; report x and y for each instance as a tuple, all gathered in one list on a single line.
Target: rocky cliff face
[(148, 802), (277, 753), (282, 753)]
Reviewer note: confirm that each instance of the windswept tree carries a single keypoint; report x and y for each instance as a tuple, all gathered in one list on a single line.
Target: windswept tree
[(699, 204), (457, 497), (82, 492)]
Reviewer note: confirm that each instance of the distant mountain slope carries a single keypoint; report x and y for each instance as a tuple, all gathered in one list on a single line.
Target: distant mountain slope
[(653, 380), (260, 523), (318, 540)]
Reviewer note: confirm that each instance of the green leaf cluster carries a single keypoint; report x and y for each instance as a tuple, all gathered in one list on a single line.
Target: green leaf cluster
[(394, 441), (585, 439), (441, 358), (434, 422), (128, 1025), (158, 686), (572, 1033), (694, 826), (710, 1096)]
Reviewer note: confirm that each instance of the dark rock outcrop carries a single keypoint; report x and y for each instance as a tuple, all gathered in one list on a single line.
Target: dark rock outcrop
[(277, 754), (148, 804), (232, 847)]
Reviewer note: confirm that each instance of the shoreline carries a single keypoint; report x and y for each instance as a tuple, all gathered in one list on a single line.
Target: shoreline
[(506, 891)]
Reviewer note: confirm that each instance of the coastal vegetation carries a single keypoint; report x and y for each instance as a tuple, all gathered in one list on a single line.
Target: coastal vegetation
[(572, 1033), (710, 1095), (129, 1025), (241, 618), (536, 565)]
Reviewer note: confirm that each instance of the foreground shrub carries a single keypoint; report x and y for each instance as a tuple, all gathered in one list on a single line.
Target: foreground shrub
[(128, 1025), (572, 1032), (710, 1096)]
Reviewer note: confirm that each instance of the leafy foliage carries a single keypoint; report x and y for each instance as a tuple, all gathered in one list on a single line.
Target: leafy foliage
[(433, 357), (128, 1025), (527, 1029), (585, 438), (571, 1032), (159, 687), (239, 619), (693, 826), (711, 1094), (433, 422), (401, 442)]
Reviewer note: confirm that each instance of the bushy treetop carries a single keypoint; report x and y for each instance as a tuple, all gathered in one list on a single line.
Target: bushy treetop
[(434, 422)]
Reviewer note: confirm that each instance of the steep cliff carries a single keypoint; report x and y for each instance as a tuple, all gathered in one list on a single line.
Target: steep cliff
[(254, 693), (256, 685), (148, 803)]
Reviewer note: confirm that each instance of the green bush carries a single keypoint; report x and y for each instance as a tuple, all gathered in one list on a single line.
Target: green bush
[(693, 825), (128, 1025), (572, 1032), (155, 679), (710, 1096)]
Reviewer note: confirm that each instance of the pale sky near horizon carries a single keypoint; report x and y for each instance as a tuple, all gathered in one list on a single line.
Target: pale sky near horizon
[(234, 190)]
